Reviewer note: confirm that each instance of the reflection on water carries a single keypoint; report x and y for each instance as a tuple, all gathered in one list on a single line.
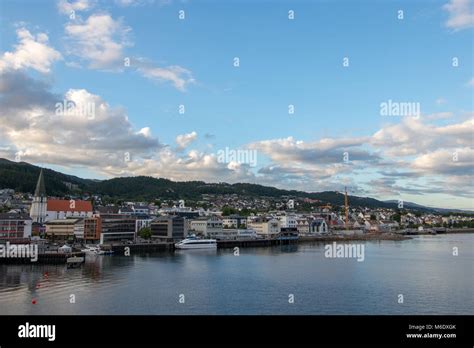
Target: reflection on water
[(258, 281)]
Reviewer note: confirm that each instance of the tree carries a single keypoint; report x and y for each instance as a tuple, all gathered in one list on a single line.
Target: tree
[(396, 217), (373, 217), (226, 211), (247, 212), (145, 233)]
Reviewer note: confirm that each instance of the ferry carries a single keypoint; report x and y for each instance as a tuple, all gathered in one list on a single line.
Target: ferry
[(194, 243)]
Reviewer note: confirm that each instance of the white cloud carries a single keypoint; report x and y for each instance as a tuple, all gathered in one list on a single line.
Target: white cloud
[(316, 153), (100, 41), (418, 148), (178, 76), (470, 83), (443, 161), (439, 116), (146, 132), (461, 14), (412, 137), (128, 3), (194, 165), (183, 140), (31, 52), (313, 166), (88, 132), (66, 7), (104, 142)]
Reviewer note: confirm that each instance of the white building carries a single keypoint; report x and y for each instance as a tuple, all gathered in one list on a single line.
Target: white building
[(15, 227), (318, 226), (288, 221), (209, 226), (142, 223), (236, 234), (246, 234), (302, 225), (65, 229), (140, 210), (234, 221), (267, 228), (79, 229)]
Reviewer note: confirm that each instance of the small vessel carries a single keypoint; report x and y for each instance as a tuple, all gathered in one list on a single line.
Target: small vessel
[(74, 261), (90, 249), (96, 250), (103, 252), (194, 243)]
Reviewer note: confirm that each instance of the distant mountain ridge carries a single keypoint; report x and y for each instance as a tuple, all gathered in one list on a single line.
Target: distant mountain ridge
[(412, 205), (22, 177)]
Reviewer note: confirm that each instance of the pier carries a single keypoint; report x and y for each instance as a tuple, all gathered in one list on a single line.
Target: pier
[(139, 247), (49, 258), (434, 230), (248, 243)]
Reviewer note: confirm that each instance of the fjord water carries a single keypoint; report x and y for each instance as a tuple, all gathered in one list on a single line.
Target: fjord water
[(259, 281)]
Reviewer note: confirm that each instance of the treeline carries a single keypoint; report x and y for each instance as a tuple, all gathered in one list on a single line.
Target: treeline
[(22, 177)]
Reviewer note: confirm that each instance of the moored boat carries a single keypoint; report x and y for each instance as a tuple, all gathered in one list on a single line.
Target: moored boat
[(193, 243)]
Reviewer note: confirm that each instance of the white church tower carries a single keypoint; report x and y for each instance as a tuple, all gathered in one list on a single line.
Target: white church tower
[(40, 201)]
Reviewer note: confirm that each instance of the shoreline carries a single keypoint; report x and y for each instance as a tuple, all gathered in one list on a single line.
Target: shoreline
[(226, 244)]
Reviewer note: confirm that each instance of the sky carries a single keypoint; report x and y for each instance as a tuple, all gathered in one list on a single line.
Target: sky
[(309, 95)]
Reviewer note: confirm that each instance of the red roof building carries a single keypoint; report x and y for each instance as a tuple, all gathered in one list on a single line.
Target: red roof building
[(62, 209), (71, 205)]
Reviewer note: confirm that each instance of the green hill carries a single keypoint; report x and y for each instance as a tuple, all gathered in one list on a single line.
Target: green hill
[(22, 177)]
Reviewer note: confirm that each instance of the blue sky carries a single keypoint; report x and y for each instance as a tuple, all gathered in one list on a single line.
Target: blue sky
[(300, 62)]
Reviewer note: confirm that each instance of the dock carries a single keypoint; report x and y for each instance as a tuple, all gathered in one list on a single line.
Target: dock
[(434, 230), (119, 249), (253, 243), (49, 258), (136, 248)]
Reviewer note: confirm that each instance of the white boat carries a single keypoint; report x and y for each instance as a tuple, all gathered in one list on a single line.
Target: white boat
[(74, 261), (103, 252), (193, 243), (90, 250), (96, 250)]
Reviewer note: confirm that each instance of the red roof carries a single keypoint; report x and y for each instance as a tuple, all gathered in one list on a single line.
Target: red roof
[(65, 205)]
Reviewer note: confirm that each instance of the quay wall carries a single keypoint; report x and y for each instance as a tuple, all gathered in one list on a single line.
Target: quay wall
[(53, 258)]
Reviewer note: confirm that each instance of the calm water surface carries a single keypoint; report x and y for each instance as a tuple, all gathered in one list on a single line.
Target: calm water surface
[(259, 281)]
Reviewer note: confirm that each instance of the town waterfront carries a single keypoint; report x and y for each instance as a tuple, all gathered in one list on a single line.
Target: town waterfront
[(258, 281)]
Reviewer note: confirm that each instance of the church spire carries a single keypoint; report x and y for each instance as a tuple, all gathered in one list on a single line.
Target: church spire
[(40, 188), (40, 201)]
